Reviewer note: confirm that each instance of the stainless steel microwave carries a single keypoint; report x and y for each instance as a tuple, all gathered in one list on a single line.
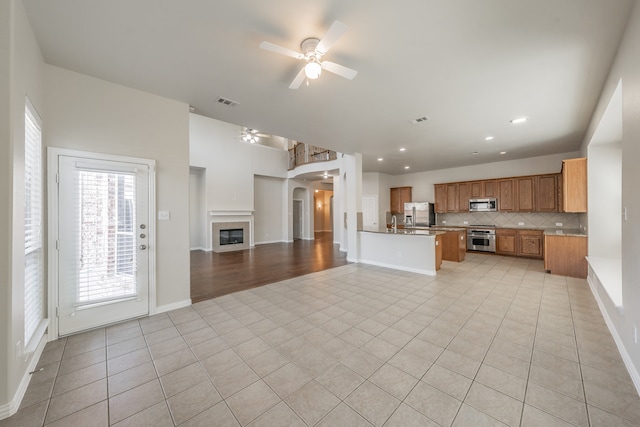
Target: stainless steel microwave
[(483, 205)]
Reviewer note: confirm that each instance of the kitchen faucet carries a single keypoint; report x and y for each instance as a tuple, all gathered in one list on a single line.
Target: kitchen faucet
[(394, 224)]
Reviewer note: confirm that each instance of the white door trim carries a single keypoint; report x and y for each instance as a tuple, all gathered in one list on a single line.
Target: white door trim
[(52, 224)]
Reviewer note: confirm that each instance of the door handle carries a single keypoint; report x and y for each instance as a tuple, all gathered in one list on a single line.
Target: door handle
[(143, 247)]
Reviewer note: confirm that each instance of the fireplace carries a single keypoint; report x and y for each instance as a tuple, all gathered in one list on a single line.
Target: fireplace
[(231, 236)]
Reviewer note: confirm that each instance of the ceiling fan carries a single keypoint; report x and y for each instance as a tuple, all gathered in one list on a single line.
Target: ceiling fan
[(252, 135), (312, 51)]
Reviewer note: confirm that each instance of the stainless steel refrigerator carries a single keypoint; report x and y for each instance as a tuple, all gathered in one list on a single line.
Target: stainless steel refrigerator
[(419, 214)]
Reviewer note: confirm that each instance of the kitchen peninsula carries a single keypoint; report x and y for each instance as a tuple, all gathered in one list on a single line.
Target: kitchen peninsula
[(409, 249)]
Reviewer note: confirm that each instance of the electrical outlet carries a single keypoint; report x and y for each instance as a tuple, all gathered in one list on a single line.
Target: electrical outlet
[(558, 224), (444, 222), (624, 213), (521, 223), (465, 222)]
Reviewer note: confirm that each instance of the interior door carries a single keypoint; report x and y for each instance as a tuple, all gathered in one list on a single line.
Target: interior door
[(103, 234), (297, 219)]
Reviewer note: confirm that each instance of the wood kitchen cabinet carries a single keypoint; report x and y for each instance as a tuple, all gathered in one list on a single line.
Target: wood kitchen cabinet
[(525, 243), (506, 195), (566, 255), (524, 194), (452, 197), (454, 245), (489, 188), (440, 191), (438, 251), (506, 243), (475, 189), (530, 243), (547, 193), (574, 185), (399, 196), (463, 197)]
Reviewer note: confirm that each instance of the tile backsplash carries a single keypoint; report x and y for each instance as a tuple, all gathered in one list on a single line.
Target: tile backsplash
[(511, 220)]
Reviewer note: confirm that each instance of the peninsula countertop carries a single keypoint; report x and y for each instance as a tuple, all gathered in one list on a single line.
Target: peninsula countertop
[(405, 231)]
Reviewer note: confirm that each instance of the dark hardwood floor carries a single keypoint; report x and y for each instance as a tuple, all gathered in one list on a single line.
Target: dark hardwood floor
[(215, 274)]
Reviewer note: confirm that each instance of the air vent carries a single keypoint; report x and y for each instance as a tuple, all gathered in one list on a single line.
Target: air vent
[(420, 120), (227, 102)]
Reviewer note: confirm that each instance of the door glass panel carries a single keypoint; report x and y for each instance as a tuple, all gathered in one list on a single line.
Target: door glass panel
[(106, 241)]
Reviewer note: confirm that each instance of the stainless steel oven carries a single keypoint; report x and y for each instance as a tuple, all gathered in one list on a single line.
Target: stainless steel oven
[(481, 239)]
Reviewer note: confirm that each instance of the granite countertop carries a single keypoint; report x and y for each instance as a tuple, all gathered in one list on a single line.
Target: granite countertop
[(404, 231), (572, 232)]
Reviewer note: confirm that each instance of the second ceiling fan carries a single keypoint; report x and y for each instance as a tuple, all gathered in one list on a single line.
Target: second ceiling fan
[(312, 51)]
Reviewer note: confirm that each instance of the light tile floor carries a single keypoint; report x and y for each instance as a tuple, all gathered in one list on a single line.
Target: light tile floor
[(490, 341)]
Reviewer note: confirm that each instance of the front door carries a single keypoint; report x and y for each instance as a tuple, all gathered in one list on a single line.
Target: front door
[(103, 233)]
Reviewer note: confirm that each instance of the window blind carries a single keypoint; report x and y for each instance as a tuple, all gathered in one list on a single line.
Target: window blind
[(105, 236), (33, 257)]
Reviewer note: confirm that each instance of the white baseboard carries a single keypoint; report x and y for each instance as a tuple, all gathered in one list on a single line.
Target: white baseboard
[(626, 358), (396, 267), (13, 405), (199, 249), (270, 241), (173, 306)]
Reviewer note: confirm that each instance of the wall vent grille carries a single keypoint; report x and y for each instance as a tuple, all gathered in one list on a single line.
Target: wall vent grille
[(420, 120)]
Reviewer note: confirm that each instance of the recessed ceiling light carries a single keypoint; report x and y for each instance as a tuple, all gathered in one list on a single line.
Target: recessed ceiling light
[(503, 152), (403, 149), (380, 159), (519, 120), (488, 138), (407, 167), (474, 152)]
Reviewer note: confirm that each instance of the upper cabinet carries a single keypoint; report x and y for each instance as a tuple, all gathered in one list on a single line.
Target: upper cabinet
[(440, 191), (399, 196), (574, 185), (506, 195), (489, 188), (452, 198), (563, 192), (548, 193), (525, 196)]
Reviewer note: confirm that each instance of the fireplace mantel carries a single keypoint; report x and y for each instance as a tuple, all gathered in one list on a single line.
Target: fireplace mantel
[(231, 213)]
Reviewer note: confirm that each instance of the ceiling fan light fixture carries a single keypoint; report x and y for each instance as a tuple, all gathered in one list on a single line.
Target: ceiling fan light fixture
[(312, 70)]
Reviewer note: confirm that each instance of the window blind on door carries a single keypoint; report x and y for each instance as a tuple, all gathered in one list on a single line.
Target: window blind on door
[(104, 236), (34, 298)]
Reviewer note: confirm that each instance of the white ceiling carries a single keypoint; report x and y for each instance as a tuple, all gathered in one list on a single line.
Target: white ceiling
[(468, 65)]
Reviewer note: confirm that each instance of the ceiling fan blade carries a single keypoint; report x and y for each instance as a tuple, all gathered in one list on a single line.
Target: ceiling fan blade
[(297, 81), (338, 69), (332, 35), (281, 50)]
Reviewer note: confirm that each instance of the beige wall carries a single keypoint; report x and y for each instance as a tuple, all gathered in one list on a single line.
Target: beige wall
[(626, 67), (88, 114), (21, 68)]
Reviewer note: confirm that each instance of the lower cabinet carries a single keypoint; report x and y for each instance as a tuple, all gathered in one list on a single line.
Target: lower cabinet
[(530, 243), (454, 245), (506, 241), (525, 243), (439, 251), (566, 255)]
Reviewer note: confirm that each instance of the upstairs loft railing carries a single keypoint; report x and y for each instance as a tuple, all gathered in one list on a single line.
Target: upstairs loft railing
[(303, 154)]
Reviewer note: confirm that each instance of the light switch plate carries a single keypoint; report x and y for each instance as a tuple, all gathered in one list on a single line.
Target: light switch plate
[(558, 224), (164, 215), (521, 223)]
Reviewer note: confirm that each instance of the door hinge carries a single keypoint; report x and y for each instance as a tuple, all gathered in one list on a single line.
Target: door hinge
[(57, 245), (57, 311), (57, 177)]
